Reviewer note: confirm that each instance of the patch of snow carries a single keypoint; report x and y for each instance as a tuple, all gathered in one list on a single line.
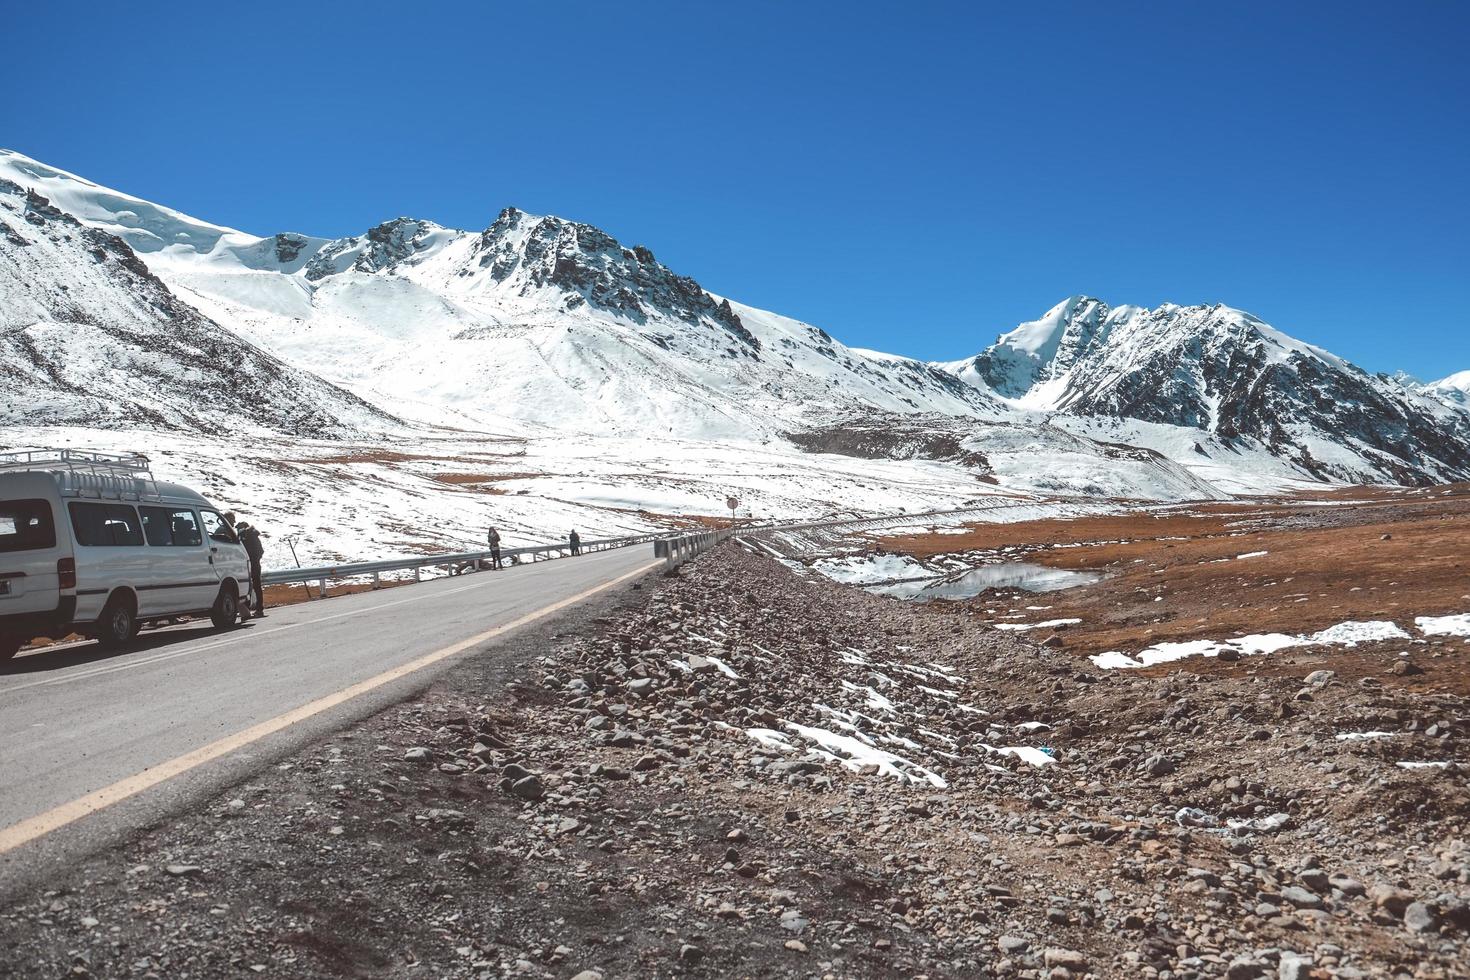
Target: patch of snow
[(1048, 624), (1347, 634), (1444, 625), (854, 754), (724, 668), (771, 739), (1031, 756)]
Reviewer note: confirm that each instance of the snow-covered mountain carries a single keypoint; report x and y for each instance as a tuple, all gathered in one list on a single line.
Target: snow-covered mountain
[(540, 328), (1453, 391), (88, 335), (535, 319), (1229, 374)]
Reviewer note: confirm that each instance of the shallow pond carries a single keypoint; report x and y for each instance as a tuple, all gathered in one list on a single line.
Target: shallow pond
[(1006, 575)]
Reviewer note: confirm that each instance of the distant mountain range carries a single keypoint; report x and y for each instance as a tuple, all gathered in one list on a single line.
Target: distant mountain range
[(118, 311), (1225, 372)]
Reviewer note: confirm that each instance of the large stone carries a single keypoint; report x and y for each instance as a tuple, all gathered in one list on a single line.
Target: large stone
[(1246, 969), (1316, 879), (1067, 959), (1391, 899), (1294, 966), (1301, 898), (529, 788), (1419, 917)]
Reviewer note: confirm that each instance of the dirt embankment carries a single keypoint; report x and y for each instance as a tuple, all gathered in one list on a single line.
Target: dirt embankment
[(742, 772)]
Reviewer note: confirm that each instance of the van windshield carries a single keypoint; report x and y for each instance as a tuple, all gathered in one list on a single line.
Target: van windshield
[(26, 525)]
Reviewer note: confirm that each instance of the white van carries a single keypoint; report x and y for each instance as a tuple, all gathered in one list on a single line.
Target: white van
[(90, 543)]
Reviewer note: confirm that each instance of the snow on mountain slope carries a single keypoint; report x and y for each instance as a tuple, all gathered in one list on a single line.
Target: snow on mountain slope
[(415, 491), (1039, 351), (536, 319), (150, 229), (555, 323), (553, 332), (1453, 391), (89, 335), (1227, 373)]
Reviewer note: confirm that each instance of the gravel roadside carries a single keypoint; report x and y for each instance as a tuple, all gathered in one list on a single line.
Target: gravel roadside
[(742, 772)]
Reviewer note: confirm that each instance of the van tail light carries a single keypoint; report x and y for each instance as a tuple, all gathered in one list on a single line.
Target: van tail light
[(66, 573)]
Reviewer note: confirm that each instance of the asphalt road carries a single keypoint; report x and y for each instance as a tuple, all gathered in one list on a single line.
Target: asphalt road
[(86, 738)]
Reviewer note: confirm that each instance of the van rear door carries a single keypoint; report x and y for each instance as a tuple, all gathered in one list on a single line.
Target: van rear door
[(29, 550)]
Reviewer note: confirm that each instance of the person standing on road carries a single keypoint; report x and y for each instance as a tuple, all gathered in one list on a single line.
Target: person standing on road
[(494, 538), (576, 543), (250, 538)]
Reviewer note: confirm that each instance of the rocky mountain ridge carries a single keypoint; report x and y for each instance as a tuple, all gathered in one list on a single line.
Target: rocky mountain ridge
[(554, 324), (90, 336), (1230, 374)]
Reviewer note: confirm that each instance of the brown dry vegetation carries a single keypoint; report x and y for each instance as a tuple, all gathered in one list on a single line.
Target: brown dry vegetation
[(473, 479), (1173, 576)]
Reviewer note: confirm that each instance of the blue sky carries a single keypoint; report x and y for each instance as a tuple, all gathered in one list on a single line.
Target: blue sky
[(912, 177)]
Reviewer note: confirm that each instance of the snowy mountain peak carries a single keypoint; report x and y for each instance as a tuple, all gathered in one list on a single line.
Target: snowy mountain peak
[(1459, 381), (544, 321), (1453, 391), (1227, 372), (529, 254), (89, 335), (381, 249)]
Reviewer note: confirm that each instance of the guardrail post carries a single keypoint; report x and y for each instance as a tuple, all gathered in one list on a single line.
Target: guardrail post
[(376, 581), (418, 573), (323, 592)]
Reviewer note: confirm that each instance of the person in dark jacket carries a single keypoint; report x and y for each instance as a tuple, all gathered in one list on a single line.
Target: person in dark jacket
[(250, 538), (576, 543), (494, 539)]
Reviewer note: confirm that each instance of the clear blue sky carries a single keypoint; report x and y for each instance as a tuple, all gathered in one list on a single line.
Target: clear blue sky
[(913, 177)]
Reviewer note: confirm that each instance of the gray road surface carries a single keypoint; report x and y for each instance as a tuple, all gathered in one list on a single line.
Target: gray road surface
[(75, 720)]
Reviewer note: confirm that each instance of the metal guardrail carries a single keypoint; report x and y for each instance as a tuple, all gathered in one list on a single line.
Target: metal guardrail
[(676, 551), (456, 563)]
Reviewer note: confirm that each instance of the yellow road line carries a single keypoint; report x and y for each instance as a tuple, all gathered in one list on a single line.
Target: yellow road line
[(28, 830)]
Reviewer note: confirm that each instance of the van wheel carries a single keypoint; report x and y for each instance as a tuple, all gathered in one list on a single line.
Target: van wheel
[(226, 611), (9, 647), (118, 624)]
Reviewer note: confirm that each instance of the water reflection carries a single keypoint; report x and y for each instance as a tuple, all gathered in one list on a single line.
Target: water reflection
[(1006, 575)]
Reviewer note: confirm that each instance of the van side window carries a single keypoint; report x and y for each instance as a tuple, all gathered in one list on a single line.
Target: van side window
[(105, 525), (165, 527), (217, 529), (25, 525)]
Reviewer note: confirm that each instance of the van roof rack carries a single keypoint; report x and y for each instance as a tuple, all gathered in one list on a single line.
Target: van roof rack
[(76, 461), (84, 473)]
